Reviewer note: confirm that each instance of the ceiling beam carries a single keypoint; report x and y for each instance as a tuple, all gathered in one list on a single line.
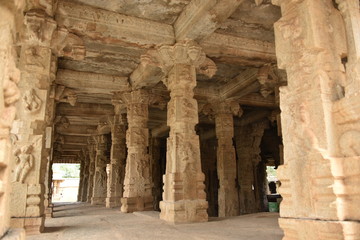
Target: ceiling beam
[(91, 82), (111, 27), (200, 18), (85, 109), (244, 51)]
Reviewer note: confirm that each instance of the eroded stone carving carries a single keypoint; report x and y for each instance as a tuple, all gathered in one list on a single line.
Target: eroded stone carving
[(64, 94), (31, 101), (24, 161)]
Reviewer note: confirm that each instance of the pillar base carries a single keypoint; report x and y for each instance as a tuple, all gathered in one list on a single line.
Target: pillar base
[(134, 204), (98, 200), (319, 229), (112, 202), (32, 225), (184, 211), (49, 212), (14, 234)]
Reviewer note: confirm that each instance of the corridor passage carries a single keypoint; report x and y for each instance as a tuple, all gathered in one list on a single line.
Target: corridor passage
[(78, 221)]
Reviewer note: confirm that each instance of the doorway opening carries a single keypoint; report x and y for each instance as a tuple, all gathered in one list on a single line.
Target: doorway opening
[(65, 182)]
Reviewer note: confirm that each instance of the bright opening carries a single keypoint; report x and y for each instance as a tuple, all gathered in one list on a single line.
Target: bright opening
[(65, 182)]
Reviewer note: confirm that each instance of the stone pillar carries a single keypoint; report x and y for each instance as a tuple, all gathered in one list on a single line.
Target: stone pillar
[(223, 111), (226, 159), (156, 171), (81, 182), (100, 176), (9, 94), (27, 208), (320, 175), (117, 162), (248, 139), (137, 184), (85, 176), (184, 198), (92, 156)]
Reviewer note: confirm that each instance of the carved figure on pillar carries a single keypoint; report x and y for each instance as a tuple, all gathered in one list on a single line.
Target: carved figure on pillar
[(24, 161)]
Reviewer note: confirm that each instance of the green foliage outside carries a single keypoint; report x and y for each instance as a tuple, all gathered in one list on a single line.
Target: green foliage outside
[(67, 170), (271, 173)]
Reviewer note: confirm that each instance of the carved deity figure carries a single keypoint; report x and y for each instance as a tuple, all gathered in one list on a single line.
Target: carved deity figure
[(32, 101), (24, 161)]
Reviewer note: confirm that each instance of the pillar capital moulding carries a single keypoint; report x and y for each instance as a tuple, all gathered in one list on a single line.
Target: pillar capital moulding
[(223, 112), (184, 199)]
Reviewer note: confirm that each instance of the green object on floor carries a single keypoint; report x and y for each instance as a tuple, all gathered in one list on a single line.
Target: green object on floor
[(273, 207)]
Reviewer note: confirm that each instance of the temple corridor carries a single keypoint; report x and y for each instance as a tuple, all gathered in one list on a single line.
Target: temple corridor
[(79, 221)]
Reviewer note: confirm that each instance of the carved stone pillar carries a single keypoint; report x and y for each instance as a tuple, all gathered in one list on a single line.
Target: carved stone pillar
[(85, 176), (137, 184), (156, 171), (81, 182), (100, 177), (248, 139), (117, 162), (226, 159), (10, 13), (92, 156), (184, 198), (320, 172), (31, 154)]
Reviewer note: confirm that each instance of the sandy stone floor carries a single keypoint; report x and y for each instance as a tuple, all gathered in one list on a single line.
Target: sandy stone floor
[(83, 221)]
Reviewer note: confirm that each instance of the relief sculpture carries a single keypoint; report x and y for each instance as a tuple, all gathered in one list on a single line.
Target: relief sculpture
[(24, 161)]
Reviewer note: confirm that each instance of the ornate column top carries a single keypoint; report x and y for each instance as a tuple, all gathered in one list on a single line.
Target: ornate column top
[(184, 52), (222, 107)]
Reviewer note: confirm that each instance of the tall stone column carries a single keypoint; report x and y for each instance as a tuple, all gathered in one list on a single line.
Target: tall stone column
[(92, 156), (10, 13), (226, 159), (31, 155), (156, 170), (184, 198), (100, 176), (248, 139), (137, 184), (85, 176), (81, 182), (117, 161), (320, 121)]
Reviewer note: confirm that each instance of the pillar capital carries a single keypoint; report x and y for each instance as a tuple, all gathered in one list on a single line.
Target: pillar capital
[(214, 108)]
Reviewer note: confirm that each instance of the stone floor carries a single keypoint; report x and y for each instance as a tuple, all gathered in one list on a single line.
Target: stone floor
[(82, 221)]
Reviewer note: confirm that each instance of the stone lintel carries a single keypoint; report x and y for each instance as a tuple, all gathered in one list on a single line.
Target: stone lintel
[(227, 48), (200, 18), (107, 26), (85, 109), (91, 82)]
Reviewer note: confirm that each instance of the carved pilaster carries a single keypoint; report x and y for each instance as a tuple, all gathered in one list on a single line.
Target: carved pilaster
[(312, 57), (184, 198), (137, 183), (85, 175), (226, 158), (100, 176), (9, 95), (117, 162)]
